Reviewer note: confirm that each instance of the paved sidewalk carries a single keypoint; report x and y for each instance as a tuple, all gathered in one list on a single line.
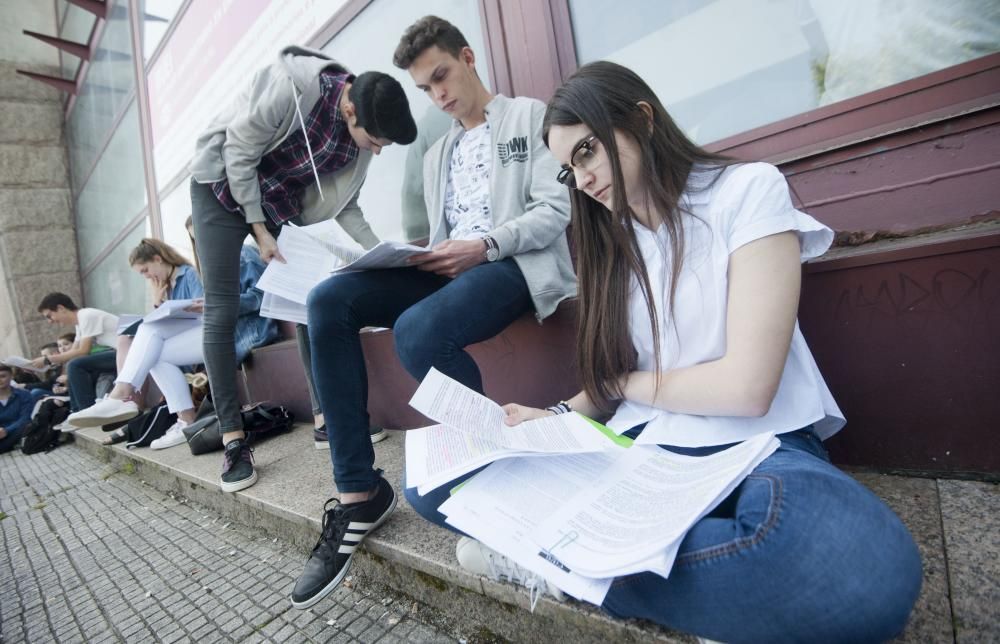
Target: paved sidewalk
[(92, 554)]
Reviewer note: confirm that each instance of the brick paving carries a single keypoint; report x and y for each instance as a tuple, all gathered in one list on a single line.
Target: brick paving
[(95, 555)]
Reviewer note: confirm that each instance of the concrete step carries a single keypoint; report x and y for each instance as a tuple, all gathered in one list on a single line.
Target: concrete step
[(416, 558)]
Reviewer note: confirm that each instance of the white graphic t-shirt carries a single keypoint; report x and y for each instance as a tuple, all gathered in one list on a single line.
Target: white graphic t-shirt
[(467, 198)]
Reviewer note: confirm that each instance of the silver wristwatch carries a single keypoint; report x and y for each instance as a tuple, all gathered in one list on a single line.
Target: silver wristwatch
[(492, 249)]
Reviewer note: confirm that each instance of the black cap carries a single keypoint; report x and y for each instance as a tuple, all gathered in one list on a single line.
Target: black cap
[(381, 107)]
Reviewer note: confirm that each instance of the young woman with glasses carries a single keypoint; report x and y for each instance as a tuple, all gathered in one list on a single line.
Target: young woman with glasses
[(689, 274)]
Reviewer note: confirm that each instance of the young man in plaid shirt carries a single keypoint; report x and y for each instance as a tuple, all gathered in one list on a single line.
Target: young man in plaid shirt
[(295, 145)]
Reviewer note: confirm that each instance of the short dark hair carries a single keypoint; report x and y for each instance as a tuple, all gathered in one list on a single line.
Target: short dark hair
[(48, 345), (9, 369), (53, 300), (381, 107), (424, 34), (68, 337)]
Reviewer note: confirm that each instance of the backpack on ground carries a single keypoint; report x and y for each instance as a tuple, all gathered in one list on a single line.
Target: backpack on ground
[(148, 426), (40, 434)]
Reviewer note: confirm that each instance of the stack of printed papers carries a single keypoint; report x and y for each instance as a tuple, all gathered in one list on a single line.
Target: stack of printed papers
[(567, 501), (311, 254)]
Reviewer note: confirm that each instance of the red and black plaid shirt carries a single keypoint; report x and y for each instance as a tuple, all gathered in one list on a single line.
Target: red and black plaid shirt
[(283, 173)]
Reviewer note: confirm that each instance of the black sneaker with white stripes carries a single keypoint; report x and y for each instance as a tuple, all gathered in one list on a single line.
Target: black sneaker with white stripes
[(344, 528)]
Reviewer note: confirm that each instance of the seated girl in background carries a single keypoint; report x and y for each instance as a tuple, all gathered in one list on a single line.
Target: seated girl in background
[(162, 347), (689, 273)]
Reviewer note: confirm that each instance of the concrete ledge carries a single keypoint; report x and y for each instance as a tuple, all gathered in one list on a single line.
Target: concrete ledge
[(407, 553), (417, 559)]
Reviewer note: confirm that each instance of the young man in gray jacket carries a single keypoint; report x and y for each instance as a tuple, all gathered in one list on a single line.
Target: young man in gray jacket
[(498, 249), (294, 146)]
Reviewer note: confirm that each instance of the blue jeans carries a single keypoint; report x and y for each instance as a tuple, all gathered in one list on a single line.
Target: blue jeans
[(82, 374), (433, 319), (799, 552), (9, 442)]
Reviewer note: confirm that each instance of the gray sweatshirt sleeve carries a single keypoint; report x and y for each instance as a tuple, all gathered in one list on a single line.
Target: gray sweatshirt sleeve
[(248, 134), (353, 221), (547, 211)]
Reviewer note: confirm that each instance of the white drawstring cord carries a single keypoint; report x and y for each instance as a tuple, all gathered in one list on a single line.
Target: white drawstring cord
[(305, 135)]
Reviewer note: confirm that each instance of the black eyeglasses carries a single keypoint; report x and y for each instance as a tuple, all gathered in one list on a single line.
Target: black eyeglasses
[(582, 157)]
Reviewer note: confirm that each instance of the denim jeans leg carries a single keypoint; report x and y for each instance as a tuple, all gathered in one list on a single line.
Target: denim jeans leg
[(338, 308), (81, 376), (219, 236), (475, 306), (305, 354), (9, 442), (805, 553)]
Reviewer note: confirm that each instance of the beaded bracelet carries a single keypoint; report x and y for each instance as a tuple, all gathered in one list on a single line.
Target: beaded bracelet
[(561, 408)]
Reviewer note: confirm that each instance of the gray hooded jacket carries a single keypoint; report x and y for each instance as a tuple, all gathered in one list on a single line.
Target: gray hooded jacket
[(258, 120), (530, 208)]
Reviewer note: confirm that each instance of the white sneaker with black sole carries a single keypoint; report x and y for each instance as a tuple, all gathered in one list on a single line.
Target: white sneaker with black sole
[(344, 528), (480, 559), (321, 442)]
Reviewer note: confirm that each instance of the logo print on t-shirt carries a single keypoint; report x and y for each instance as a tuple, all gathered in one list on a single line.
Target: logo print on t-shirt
[(514, 150)]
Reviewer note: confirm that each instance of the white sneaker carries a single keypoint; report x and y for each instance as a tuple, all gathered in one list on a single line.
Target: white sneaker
[(174, 436), (66, 426), (105, 412), (483, 560)]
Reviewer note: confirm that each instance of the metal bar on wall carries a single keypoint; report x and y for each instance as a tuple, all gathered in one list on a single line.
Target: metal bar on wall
[(114, 243), (145, 127), (337, 22)]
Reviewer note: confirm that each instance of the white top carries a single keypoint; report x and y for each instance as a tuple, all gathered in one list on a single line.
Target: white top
[(747, 202), (467, 197), (97, 324)]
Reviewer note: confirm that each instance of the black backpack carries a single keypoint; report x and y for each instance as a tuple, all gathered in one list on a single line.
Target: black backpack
[(40, 434), (147, 427)]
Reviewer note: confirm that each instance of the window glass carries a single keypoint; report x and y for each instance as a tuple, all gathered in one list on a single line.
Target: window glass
[(725, 66), (115, 194), (110, 82), (112, 285), (76, 26), (368, 43), (175, 208), (156, 18)]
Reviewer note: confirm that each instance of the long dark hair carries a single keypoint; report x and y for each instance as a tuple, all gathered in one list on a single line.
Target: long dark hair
[(605, 97)]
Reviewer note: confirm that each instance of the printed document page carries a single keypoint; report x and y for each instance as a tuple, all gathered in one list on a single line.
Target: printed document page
[(385, 254), (645, 502), (449, 402), (23, 363), (172, 309), (502, 506), (438, 454), (277, 307), (307, 263)]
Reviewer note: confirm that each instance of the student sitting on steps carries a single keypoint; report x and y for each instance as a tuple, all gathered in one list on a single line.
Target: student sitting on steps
[(689, 273)]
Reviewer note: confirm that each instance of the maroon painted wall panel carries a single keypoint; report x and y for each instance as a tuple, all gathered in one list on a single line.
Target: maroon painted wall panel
[(528, 363), (936, 182), (911, 351)]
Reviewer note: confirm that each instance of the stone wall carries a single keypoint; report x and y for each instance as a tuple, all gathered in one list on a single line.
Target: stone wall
[(38, 252)]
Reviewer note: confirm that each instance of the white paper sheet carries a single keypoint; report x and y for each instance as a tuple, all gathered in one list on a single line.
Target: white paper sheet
[(172, 309), (643, 504), (307, 263), (385, 254), (502, 505), (125, 320), (278, 308), (438, 454), (23, 363), (450, 403)]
